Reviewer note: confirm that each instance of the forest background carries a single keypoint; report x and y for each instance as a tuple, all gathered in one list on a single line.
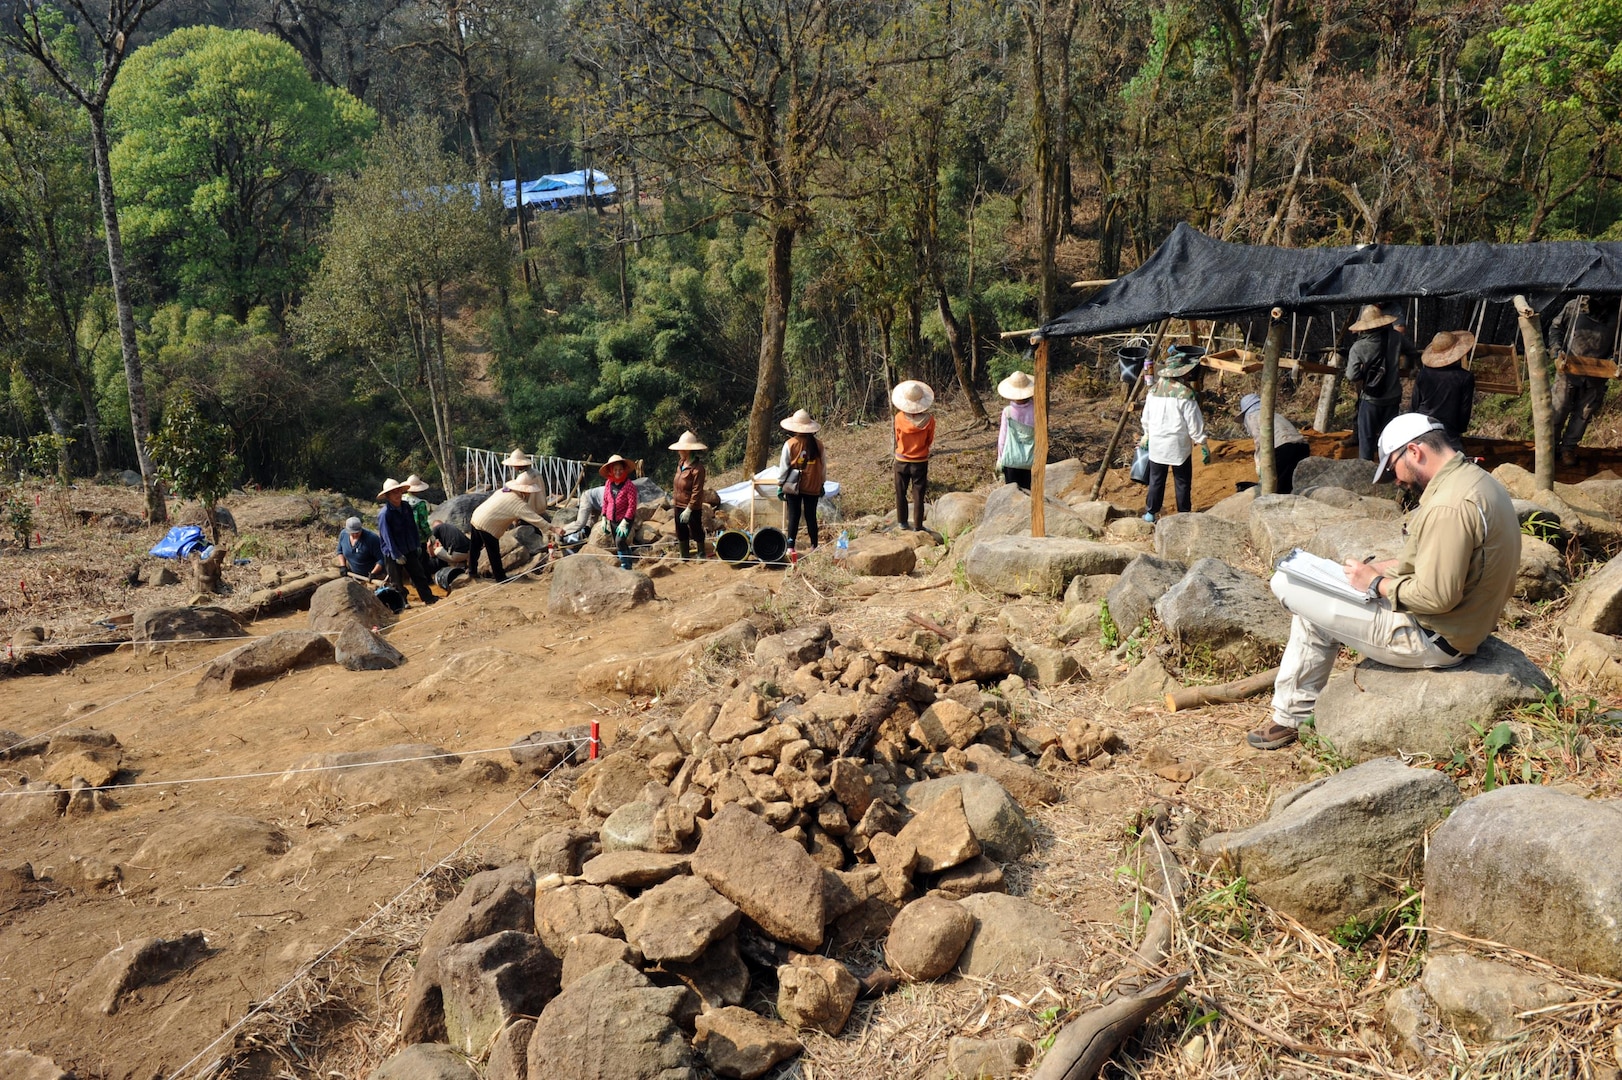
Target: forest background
[(819, 197)]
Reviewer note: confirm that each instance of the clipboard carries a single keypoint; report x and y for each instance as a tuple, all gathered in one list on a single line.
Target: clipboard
[(1323, 575)]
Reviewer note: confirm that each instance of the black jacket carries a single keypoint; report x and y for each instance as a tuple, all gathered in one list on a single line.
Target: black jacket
[(1447, 393)]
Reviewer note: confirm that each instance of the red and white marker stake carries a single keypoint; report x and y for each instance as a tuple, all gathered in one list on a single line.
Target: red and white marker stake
[(596, 740)]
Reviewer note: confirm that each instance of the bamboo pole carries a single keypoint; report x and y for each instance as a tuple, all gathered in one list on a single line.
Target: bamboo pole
[(1126, 410), (1266, 458), (1039, 467), (1537, 378)]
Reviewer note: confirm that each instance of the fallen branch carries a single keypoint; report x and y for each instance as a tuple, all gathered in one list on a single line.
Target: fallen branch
[(1192, 697), (1295, 1046), (932, 626), (1085, 1044)]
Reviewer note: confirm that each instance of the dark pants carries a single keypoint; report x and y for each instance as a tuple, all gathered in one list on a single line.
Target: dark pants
[(796, 506), (1372, 417), (623, 546), (491, 546), (1022, 477), (691, 534), (1285, 459), (913, 475), (1576, 399), (1183, 479), (415, 564)]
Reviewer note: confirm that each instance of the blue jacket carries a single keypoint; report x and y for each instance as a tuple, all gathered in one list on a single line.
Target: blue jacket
[(397, 528), (363, 555)]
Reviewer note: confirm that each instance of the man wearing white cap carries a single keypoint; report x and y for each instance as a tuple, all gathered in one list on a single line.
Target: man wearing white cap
[(1432, 606), (914, 438)]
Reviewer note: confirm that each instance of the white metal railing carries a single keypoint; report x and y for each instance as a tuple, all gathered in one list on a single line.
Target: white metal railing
[(483, 471)]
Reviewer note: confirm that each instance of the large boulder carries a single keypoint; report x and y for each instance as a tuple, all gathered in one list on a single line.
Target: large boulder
[(1596, 600), (766, 874), (593, 586), (1484, 999), (1593, 661), (1373, 710), (490, 902), (1189, 537), (265, 659), (741, 1044), (458, 510), (1012, 936), (1350, 474), (612, 1024), (651, 672), (718, 610), (425, 1061), (1279, 523), (927, 938), (1579, 512), (1041, 565), (276, 512), (881, 555), (1227, 613), (1236, 508), (1146, 579), (1368, 506), (489, 982), (994, 816), (1542, 573), (956, 512), (1535, 869), (1357, 539), (1008, 513), (1338, 848), (338, 603), (157, 624), (360, 648), (136, 963)]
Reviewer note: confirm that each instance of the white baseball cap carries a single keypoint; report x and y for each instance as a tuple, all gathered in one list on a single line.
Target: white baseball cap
[(1399, 433)]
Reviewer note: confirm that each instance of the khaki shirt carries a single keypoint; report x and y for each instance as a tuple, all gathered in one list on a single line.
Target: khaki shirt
[(503, 510), (1457, 568)]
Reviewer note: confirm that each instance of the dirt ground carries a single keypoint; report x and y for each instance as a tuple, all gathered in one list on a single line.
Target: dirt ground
[(209, 833)]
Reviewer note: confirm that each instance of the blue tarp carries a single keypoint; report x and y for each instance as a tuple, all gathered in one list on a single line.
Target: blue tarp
[(178, 542), (557, 188)]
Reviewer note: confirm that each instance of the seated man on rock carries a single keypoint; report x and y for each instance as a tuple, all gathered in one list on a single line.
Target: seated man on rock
[(1431, 607)]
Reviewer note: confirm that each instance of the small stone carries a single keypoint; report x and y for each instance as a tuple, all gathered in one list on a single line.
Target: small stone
[(945, 724), (941, 833), (588, 952), (1084, 740), (927, 938), (738, 1043), (678, 920), (816, 992), (977, 875)]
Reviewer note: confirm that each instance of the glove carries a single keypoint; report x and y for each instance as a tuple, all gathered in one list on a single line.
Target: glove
[(1143, 443), (608, 527), (622, 530), (687, 516), (1205, 454)]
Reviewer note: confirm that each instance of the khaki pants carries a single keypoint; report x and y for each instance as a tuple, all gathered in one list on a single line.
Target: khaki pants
[(1324, 623)]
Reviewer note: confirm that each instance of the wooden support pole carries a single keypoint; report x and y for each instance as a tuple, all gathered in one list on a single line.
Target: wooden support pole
[(1192, 697), (1039, 467), (1537, 379), (1329, 392), (1266, 458), (1126, 410)]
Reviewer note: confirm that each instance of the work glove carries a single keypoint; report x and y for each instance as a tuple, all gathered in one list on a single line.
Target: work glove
[(622, 530), (1205, 454), (1143, 443), (608, 527), (687, 516)]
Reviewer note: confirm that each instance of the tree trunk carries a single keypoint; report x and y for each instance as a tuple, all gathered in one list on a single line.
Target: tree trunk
[(769, 374), (140, 422), (439, 381), (1537, 379), (954, 341), (1266, 458)]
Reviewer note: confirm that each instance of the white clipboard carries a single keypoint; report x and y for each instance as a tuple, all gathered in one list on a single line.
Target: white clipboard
[(1316, 572)]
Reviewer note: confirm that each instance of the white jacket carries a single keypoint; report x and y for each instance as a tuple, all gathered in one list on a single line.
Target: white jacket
[(1172, 426)]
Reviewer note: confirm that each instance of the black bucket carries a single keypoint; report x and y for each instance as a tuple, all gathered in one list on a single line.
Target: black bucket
[(1131, 358), (771, 546), (732, 547)]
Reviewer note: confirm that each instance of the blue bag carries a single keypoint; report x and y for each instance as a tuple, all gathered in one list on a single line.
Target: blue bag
[(179, 542)]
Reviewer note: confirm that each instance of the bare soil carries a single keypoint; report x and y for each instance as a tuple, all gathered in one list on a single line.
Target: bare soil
[(365, 858)]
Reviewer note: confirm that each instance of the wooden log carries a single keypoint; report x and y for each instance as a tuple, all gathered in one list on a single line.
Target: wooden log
[(888, 696), (1537, 378), (287, 594), (1266, 459), (1039, 467), (1192, 697), (1085, 1044)]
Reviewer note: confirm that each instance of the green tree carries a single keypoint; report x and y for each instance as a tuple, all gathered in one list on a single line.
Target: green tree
[(193, 454), (223, 143), (60, 47), (413, 237)]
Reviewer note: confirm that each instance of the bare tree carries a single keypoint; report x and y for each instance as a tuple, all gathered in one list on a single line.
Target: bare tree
[(35, 31)]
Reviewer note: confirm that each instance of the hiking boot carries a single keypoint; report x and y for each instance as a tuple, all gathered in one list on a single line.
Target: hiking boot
[(1150, 518), (1274, 736)]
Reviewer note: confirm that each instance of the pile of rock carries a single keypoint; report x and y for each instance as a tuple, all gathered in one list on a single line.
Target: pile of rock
[(65, 772), (842, 793)]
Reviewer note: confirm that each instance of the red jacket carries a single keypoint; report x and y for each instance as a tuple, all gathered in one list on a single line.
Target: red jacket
[(619, 501)]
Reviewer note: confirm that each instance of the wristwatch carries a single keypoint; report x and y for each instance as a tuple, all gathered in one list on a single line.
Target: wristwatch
[(1373, 591)]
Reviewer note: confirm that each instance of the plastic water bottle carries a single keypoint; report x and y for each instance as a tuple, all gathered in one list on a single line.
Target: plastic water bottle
[(842, 546)]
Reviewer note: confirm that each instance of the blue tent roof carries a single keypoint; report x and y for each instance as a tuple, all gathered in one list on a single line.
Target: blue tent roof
[(554, 188)]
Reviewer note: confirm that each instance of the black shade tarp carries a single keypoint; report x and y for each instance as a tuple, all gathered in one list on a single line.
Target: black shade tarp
[(1192, 276)]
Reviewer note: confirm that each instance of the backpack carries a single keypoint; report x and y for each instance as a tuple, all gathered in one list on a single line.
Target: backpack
[(1019, 449)]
